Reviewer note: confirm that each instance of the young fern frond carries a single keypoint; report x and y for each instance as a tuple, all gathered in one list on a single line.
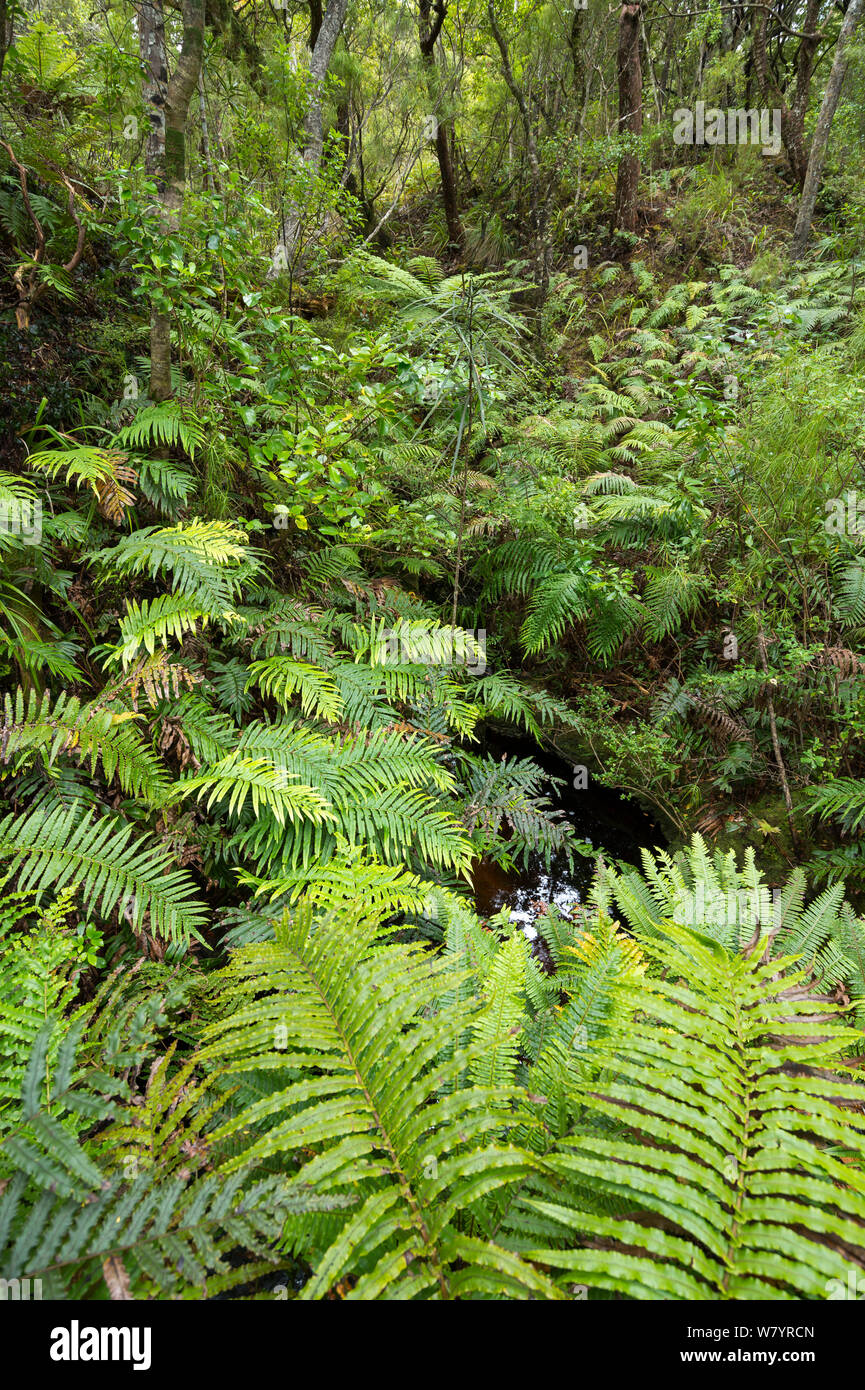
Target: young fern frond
[(357, 880), (499, 1026)]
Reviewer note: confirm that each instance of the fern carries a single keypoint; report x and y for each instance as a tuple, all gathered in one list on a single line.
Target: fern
[(152, 622), (87, 733), (713, 1133), (367, 1111), (208, 561), (163, 424), (54, 846), (105, 471), (257, 780), (842, 800)]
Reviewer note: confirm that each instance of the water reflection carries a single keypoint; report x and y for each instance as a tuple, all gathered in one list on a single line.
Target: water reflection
[(609, 823)]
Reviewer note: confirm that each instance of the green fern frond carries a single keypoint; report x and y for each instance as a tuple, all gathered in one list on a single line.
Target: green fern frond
[(152, 622), (50, 848), (367, 1110), (88, 733), (208, 561), (282, 677), (714, 1133), (167, 423)]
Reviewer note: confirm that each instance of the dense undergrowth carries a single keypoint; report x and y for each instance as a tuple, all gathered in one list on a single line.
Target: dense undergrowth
[(255, 633)]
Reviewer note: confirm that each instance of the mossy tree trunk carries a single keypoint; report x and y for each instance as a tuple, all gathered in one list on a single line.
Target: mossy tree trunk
[(167, 101), (432, 15), (630, 78)]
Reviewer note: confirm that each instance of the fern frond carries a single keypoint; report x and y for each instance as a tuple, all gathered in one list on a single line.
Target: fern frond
[(717, 1135), (50, 848), (366, 1107)]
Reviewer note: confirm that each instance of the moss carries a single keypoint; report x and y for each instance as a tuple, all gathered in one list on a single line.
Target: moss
[(175, 154)]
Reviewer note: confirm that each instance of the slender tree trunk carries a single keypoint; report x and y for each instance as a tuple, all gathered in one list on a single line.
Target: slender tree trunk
[(822, 130), (151, 45), (630, 121), (184, 82), (324, 33), (5, 32), (431, 18), (668, 54), (539, 213), (805, 58), (578, 63), (210, 178), (167, 105), (792, 117), (151, 48), (319, 63), (467, 449)]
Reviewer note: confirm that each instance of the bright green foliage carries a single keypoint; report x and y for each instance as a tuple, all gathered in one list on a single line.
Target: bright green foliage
[(83, 733), (53, 846), (347, 1032), (712, 1125), (387, 497)]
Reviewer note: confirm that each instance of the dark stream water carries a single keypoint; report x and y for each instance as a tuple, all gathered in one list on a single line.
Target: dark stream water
[(611, 824)]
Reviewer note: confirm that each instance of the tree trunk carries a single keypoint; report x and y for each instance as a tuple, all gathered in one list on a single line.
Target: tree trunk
[(449, 186), (323, 35), (796, 151), (792, 118), (431, 18), (630, 115), (822, 130), (151, 46), (6, 21), (184, 82), (210, 177), (539, 212), (578, 63), (167, 104)]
